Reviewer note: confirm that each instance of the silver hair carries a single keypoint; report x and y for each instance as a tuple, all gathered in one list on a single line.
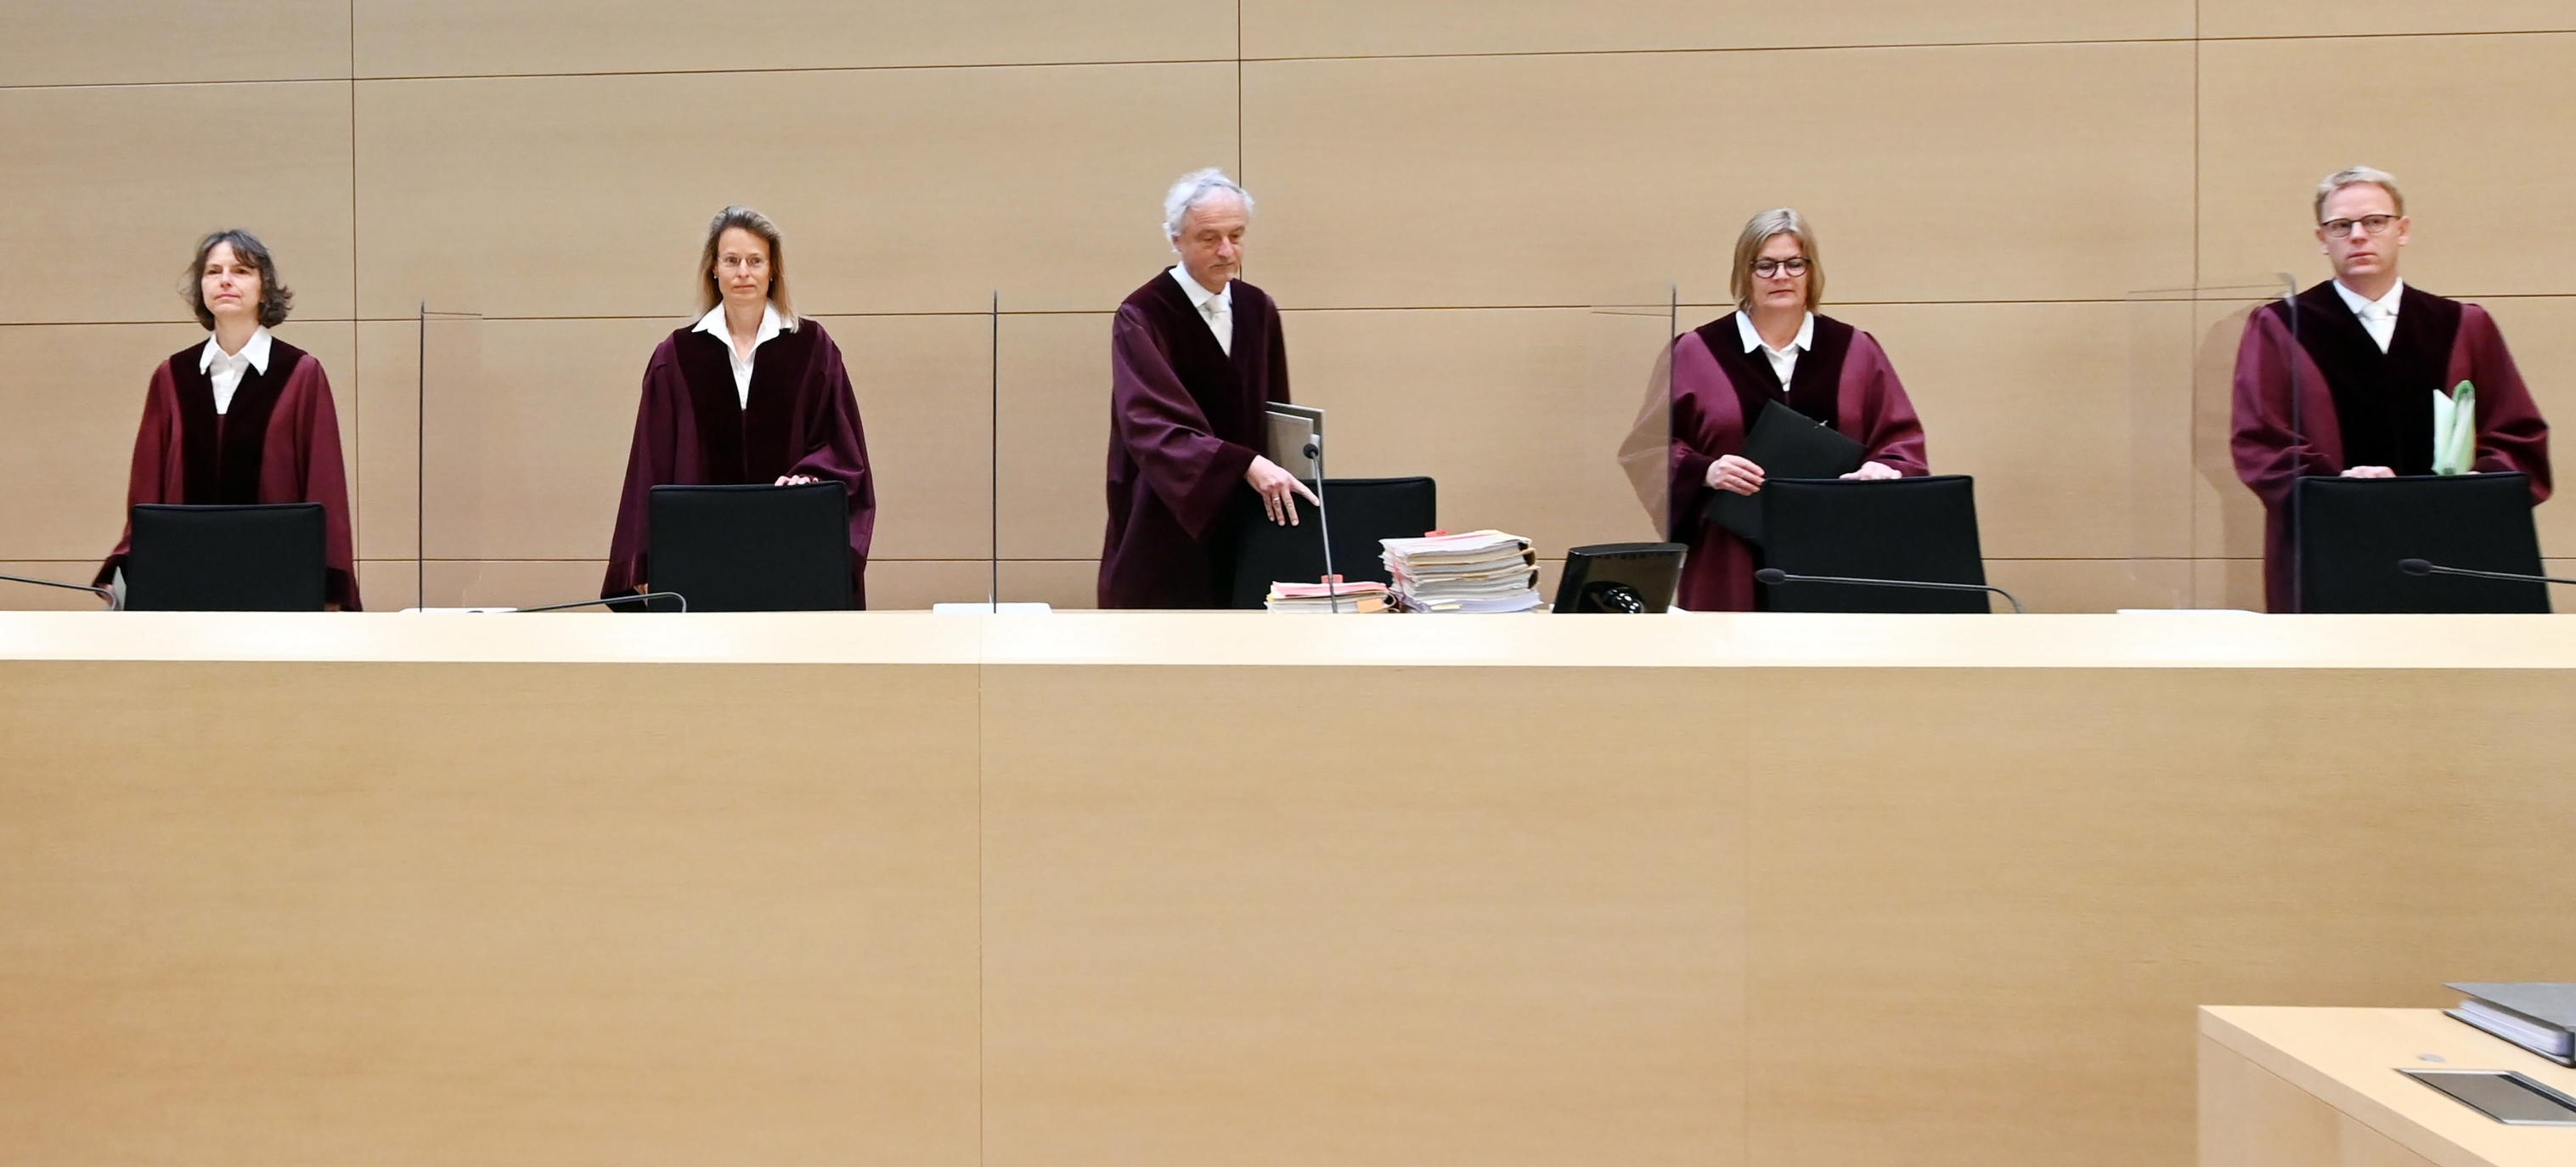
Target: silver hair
[(2357, 176), (1193, 189)]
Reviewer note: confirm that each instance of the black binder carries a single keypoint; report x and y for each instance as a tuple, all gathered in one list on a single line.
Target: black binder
[(1785, 444)]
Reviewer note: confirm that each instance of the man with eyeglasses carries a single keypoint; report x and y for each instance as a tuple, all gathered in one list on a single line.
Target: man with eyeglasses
[(2342, 381)]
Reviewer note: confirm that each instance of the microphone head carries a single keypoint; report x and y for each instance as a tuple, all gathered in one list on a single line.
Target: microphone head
[(2414, 567), (1772, 575)]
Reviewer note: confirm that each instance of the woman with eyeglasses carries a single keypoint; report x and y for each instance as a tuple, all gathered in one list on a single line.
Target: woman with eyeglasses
[(1772, 348), (242, 418)]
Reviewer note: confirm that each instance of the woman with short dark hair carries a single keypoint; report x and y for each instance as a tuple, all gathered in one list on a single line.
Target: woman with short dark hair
[(243, 417)]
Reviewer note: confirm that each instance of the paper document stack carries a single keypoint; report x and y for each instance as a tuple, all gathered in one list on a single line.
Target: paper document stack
[(1478, 571), (2538, 1016), (1359, 598)]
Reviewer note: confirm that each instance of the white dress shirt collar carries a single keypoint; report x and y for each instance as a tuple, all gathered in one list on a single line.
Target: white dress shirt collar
[(225, 370), (2378, 317), (713, 324), (1783, 361), (1217, 307)]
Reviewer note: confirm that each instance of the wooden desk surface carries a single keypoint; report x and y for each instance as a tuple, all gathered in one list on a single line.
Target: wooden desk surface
[(2349, 1058), (2184, 639)]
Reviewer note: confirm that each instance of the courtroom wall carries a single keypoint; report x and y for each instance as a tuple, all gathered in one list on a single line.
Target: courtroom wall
[(1459, 206)]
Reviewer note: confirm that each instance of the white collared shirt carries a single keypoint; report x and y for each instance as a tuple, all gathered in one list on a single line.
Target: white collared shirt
[(227, 369), (1784, 362), (1216, 307), (2378, 316), (713, 324)]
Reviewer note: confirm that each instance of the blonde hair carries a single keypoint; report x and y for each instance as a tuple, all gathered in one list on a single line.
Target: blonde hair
[(2357, 176), (1758, 230), (758, 224)]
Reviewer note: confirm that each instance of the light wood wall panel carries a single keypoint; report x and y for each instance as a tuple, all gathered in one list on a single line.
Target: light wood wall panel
[(116, 184), (1187, 963), (601, 187), (1357, 28), (420, 38), (166, 41), (1546, 180), (2349, 18), (2020, 874), (2475, 127), (74, 401), (489, 914), (2034, 401), (531, 422)]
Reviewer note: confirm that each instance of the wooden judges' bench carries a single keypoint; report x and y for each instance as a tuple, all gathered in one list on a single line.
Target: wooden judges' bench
[(1166, 889)]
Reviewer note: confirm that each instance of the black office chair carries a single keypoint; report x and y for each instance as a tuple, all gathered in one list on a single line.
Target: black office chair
[(2349, 534), (206, 558), (1364, 511), (751, 548), (1906, 528)]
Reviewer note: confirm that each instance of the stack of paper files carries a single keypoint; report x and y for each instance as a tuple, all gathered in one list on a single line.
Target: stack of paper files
[(1478, 571), (1359, 598), (2539, 1016)]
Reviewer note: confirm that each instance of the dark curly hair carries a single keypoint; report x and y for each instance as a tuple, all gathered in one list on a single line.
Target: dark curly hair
[(275, 298)]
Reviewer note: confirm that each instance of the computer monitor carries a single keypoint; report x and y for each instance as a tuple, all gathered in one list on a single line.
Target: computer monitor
[(1620, 577)]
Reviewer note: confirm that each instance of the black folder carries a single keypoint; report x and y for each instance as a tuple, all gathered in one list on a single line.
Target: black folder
[(1785, 444)]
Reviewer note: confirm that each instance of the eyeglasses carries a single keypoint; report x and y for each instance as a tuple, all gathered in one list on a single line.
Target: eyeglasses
[(1767, 268), (2369, 224)]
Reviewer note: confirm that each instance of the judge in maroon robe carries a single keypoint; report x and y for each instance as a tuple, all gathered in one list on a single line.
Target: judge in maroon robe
[(243, 418), (749, 393), (1195, 357), (1723, 374), (2341, 381)]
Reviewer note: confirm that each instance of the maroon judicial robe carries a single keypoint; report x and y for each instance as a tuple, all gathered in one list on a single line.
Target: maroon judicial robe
[(693, 429), (2357, 406), (278, 442), (1718, 389), (1185, 422)]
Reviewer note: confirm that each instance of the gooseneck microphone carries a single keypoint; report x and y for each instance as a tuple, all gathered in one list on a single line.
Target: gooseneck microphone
[(2427, 567), (1324, 522), (644, 596), (101, 593), (1775, 577)]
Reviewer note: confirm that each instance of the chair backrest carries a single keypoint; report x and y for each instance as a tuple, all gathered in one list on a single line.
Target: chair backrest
[(1363, 511), (2350, 533), (752, 548), (1905, 528), (205, 558)]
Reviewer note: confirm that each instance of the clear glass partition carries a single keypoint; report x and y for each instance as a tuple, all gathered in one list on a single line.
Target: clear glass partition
[(1628, 343), (2195, 533)]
